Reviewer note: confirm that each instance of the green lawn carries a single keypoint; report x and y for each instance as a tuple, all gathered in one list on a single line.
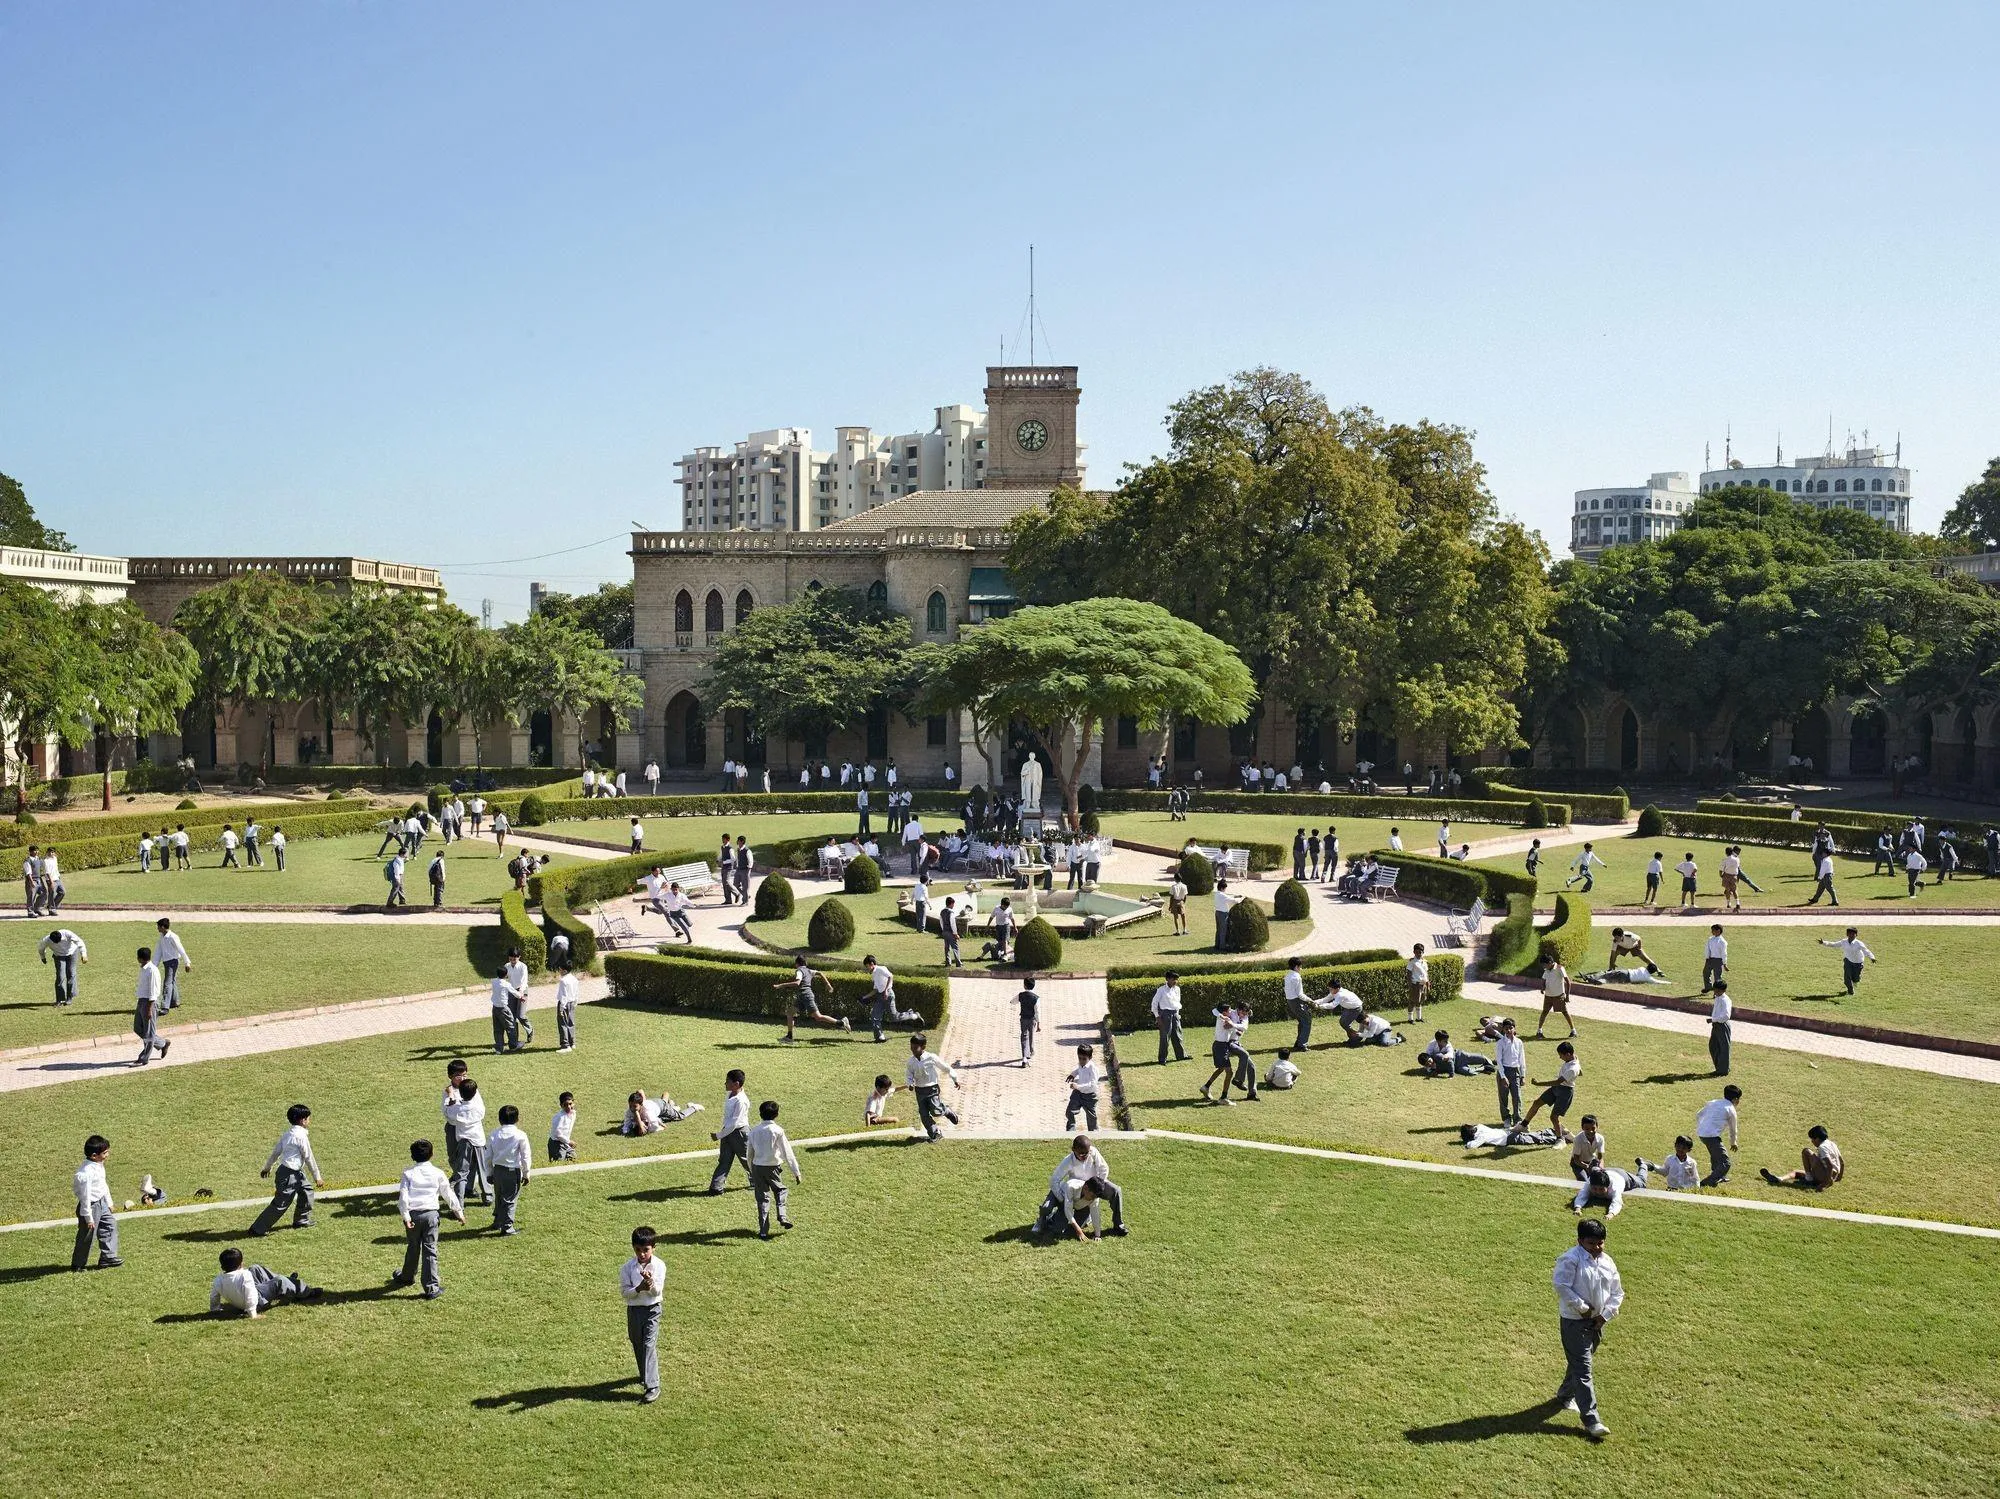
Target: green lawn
[(1356, 833), (1936, 979), (318, 872), (878, 929), (1785, 874), (761, 828), (212, 1125), (236, 970), (1274, 1325), (1645, 1086)]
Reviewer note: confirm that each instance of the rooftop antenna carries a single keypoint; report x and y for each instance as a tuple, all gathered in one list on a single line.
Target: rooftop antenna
[(1899, 450), (1031, 304), (1781, 448), (486, 614), (1705, 462), (1728, 452), (1829, 437)]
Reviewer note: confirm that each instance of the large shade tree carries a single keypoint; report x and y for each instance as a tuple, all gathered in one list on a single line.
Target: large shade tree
[(1974, 517), (563, 670), (811, 667), (1066, 669)]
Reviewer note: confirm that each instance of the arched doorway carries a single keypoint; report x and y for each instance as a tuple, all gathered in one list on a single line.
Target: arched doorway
[(742, 739), (433, 740), (1967, 766), (1868, 742), (686, 731), (1628, 741), (744, 604), (1566, 739), (1812, 737), (1307, 752), (541, 739)]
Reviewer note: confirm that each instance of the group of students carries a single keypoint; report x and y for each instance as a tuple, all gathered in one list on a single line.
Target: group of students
[(156, 992)]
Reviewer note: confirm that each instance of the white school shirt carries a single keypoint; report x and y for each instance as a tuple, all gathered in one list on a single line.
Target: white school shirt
[(1569, 1072), (1615, 1206), (1717, 1118), (913, 831), (169, 949), (145, 847), (1071, 1169), (1824, 870), (566, 991), (1731, 864), (50, 870), (881, 981), (633, 1280), (181, 838), (1418, 970), (1682, 1175), (1283, 1073), (1373, 1026), (517, 976), (1854, 951), (927, 1071), (278, 839), (1717, 947), (31, 867), (64, 944), (467, 1118), (424, 1188), (1167, 999), (1913, 861), (1656, 866), (769, 1146), (1586, 1284), (228, 838), (294, 1151), (1177, 891), (508, 1146), (1396, 842), (1509, 1055), (501, 989), (873, 1108), (1228, 1027), (1582, 1151), (1441, 1050), (91, 1188), (1687, 869), (1222, 901), (1722, 1009), (1083, 1079), (237, 1288), (478, 806), (735, 1112), (1295, 985), (149, 982), (561, 1125)]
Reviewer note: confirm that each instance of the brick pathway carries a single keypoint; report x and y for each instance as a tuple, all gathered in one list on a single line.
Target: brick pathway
[(1000, 1098)]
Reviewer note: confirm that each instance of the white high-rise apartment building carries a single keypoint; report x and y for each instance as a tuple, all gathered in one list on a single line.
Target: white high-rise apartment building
[(774, 481), (1635, 512), (1864, 479)]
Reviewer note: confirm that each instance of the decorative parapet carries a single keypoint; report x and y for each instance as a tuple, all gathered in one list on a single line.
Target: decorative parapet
[(66, 570), (205, 570)]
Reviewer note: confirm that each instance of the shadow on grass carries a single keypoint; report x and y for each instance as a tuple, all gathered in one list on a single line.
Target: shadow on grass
[(699, 1238), (1023, 1234), (662, 1194), (1674, 1077), (1536, 1420), (15, 1274), (516, 1402)]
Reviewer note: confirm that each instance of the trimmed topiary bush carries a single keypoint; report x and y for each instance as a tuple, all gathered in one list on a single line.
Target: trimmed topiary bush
[(1090, 824), (1038, 945), (1086, 799), (774, 898), (1197, 873), (336, 795), (533, 811), (439, 795), (1249, 929), (863, 877), (1652, 823), (1292, 902), (831, 927), (1537, 814), (187, 804)]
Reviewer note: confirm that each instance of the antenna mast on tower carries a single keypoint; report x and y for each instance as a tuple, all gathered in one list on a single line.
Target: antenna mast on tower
[(1031, 304)]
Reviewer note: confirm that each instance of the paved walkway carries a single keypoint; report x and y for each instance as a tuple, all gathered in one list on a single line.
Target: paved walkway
[(268, 915), (1793, 916), (1743, 1033), (1000, 1099), (333, 1023)]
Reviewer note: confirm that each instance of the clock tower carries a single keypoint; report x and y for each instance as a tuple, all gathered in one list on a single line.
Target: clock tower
[(1031, 426)]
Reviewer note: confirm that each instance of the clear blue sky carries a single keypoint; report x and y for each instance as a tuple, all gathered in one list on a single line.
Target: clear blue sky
[(452, 282)]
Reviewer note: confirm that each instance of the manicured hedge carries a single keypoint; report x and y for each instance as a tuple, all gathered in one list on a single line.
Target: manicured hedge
[(1291, 902), (1156, 970), (1248, 928), (728, 804), (1197, 873), (129, 825), (564, 892), (1569, 933), (1455, 883), (1837, 819), (557, 917), (830, 928), (775, 900), (349, 776), (1651, 823), (862, 876), (1515, 945), (1038, 945), (1775, 832), (1615, 806), (703, 983), (1381, 986), (103, 853), (1310, 804), (522, 932)]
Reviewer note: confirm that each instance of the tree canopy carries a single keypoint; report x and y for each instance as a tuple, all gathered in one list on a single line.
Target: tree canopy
[(607, 613), (19, 525), (563, 670), (1067, 669), (810, 667), (1974, 518), (1358, 565)]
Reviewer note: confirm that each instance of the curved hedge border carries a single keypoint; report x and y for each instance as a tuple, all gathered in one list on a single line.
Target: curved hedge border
[(559, 892), (1310, 804), (731, 803), (1591, 806), (1381, 985), (522, 932), (1156, 970), (1453, 882), (130, 825), (1514, 945), (1779, 832), (742, 985), (1569, 932), (103, 853)]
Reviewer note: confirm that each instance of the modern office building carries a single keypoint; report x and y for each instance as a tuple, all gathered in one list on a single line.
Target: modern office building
[(1635, 512), (1865, 479)]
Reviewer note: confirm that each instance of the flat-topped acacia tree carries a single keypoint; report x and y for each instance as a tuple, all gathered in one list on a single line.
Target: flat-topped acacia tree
[(1067, 669)]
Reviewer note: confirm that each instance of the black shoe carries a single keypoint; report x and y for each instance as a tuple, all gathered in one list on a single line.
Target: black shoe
[(400, 1279), (784, 1223), (163, 1049), (433, 1295), (1769, 1176), (764, 1233), (110, 1264), (1118, 1231)]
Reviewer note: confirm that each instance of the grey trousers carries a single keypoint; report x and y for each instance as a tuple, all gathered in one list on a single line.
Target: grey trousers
[(767, 1182), (1718, 1161), (170, 985), (1718, 1046), (506, 1194), (145, 1021), (293, 1186), (65, 978), (518, 1008), (1221, 930), (100, 1226), (1084, 1104), (735, 1146), (451, 1160), (1579, 1342), (1711, 973), (642, 1326), (272, 1287), (565, 1025), (1170, 1034), (1303, 1038), (422, 1253), (506, 1034), (253, 852), (1509, 1080), (279, 850), (468, 1166)]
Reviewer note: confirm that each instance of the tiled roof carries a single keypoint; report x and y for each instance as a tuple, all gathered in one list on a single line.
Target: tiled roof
[(967, 508)]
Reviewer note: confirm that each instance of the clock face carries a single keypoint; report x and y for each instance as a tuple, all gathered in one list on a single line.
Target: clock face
[(1032, 435)]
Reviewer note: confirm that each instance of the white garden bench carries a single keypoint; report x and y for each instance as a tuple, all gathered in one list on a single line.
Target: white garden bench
[(692, 878), (1233, 861), (1384, 882), (1459, 928), (614, 931)]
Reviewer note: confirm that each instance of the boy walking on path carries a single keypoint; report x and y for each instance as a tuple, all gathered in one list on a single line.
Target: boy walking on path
[(1853, 953), (640, 1282), (732, 1134), (146, 1010), (1719, 1015), (924, 1074), (509, 1158), (93, 1209), (1823, 881), (566, 1009), (293, 1156), (1167, 1017), (1715, 1122), (172, 956), (1555, 993), (1030, 1002), (423, 1189), (770, 1155)]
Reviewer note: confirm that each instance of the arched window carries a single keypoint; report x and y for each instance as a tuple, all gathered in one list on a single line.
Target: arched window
[(878, 593), (813, 587), (1840, 486), (1796, 486), (711, 613), (683, 613), (934, 614), (1822, 486), (743, 606), (1875, 484)]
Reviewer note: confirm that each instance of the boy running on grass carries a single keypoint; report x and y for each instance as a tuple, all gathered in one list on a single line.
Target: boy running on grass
[(803, 1005), (925, 1073), (1582, 869), (1853, 953), (1559, 1092), (874, 1106)]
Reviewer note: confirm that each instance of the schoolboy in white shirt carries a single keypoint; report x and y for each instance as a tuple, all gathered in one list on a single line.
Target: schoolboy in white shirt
[(249, 1289), (640, 1281), (424, 1188), (509, 1158), (770, 1155), (93, 1209), (1083, 1082), (562, 1128), (293, 1156)]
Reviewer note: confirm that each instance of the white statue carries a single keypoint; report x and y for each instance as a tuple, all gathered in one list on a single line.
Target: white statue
[(1031, 785)]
